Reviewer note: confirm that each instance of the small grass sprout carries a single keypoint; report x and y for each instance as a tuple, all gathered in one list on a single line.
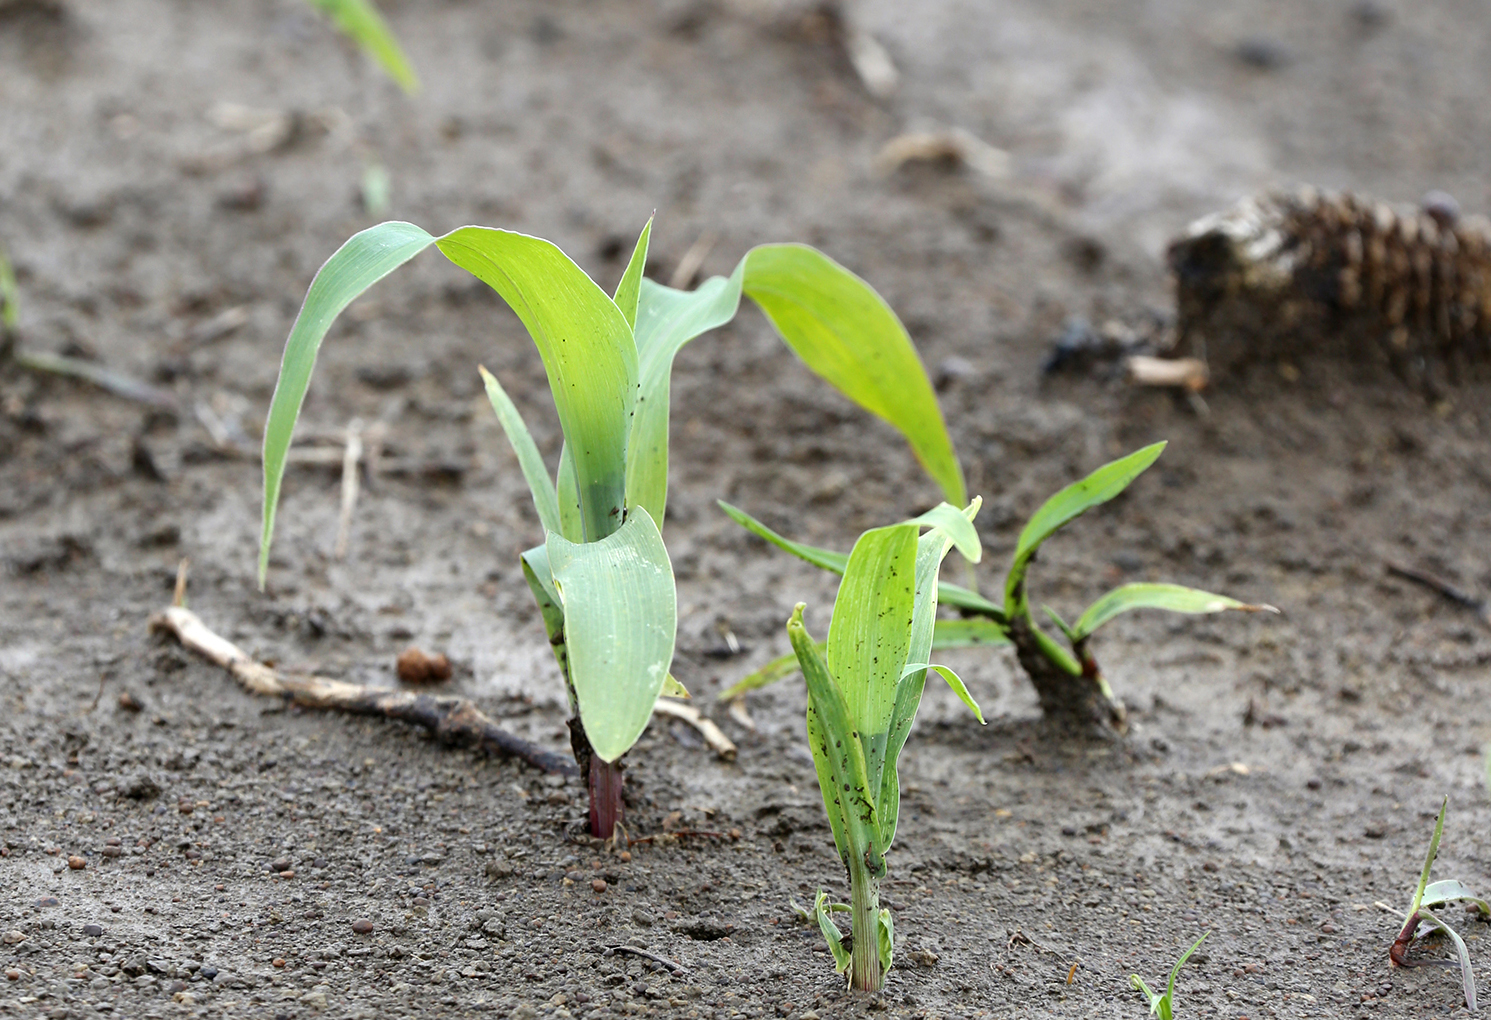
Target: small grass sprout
[(1163, 1005), (864, 685), (602, 577), (1420, 922), (1071, 686), (360, 21)]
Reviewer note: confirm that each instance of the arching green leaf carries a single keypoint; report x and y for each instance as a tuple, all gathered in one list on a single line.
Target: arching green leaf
[(360, 20), (1174, 597), (529, 459), (628, 289)]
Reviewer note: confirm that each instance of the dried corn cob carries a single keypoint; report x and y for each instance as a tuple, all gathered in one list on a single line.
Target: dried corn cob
[(1292, 276)]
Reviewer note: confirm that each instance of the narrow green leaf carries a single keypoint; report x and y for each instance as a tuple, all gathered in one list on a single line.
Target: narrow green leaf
[(631, 279), (529, 459), (831, 935), (587, 350), (870, 633), (1418, 893), (1138, 985), (360, 20), (1073, 501), (1467, 976), (540, 580), (620, 619), (1061, 625), (776, 669), (958, 526), (844, 331), (571, 526), (974, 633), (827, 559), (366, 258), (666, 320), (1175, 971), (1174, 597), (819, 742), (885, 934), (1449, 890), (954, 681)]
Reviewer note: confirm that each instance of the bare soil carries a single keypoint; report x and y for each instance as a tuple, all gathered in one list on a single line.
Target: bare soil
[(1282, 774)]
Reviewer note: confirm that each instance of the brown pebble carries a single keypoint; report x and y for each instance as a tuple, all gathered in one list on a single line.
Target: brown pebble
[(13, 975), (415, 667), (129, 702), (626, 856), (598, 884), (112, 851), (76, 863), (287, 873), (278, 961), (362, 926), (185, 807)]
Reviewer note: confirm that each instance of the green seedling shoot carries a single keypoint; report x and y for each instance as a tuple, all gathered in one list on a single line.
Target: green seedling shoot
[(864, 687), (1420, 922), (360, 21), (602, 578), (1071, 686), (1163, 1006)]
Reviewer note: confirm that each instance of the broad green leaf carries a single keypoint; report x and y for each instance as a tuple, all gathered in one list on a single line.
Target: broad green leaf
[(1467, 977), (587, 350), (360, 20), (954, 681), (974, 633), (529, 459), (1073, 501), (666, 320), (827, 559), (627, 290), (571, 526), (1174, 597), (870, 633), (844, 331), (1448, 890), (838, 754), (885, 936), (958, 526), (366, 258), (620, 619)]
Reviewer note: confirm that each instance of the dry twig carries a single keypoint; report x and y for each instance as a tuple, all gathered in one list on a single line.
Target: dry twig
[(1481, 607), (351, 458), (454, 720), (712, 734)]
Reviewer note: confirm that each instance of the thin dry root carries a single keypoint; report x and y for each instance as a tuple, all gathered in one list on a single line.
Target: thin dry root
[(712, 734), (454, 720)]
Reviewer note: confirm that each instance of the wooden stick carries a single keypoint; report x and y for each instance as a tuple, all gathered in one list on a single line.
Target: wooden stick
[(712, 734), (453, 720), (688, 266)]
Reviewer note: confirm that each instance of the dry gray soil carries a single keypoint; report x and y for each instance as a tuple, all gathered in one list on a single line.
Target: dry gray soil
[(1282, 774)]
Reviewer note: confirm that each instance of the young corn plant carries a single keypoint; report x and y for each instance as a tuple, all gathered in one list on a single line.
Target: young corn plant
[(1420, 922), (602, 578), (360, 21), (1071, 687), (1163, 1005), (864, 686)]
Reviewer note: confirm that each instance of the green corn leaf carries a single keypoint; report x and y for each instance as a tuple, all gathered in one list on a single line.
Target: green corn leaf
[(629, 288), (838, 754), (1155, 1001), (974, 633), (1467, 977), (1175, 971), (1061, 625), (620, 619), (831, 933), (885, 934), (571, 525), (666, 320), (870, 634), (1418, 893), (1174, 597), (954, 681), (827, 559), (672, 688), (958, 526), (587, 350), (776, 669), (540, 580), (1073, 501), (844, 331), (366, 258), (1449, 890), (529, 459), (360, 20)]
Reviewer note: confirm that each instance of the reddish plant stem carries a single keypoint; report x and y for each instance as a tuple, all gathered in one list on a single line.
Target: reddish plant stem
[(603, 782)]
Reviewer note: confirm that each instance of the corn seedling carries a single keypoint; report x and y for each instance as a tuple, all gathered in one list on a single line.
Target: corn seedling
[(360, 21), (1419, 922), (1071, 686), (602, 578), (1163, 1006), (864, 687)]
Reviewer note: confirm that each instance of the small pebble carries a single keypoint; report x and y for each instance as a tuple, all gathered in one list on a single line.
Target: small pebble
[(415, 667), (362, 926), (129, 702), (185, 807), (76, 863), (12, 937), (598, 884), (113, 851), (625, 856), (12, 975), (278, 961), (287, 873), (281, 864), (93, 930)]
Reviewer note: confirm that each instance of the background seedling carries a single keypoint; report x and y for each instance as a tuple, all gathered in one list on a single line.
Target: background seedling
[(602, 578), (1419, 922), (1071, 687), (362, 23), (864, 688), (1163, 1006)]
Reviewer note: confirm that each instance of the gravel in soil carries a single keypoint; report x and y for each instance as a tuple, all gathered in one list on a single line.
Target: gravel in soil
[(241, 858)]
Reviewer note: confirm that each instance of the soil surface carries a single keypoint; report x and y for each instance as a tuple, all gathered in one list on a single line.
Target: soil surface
[(1280, 781)]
